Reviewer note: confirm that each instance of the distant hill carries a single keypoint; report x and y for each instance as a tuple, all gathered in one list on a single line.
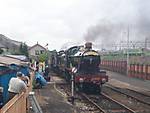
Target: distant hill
[(6, 42)]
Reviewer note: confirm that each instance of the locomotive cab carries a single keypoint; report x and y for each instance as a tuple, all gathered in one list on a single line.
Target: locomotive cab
[(89, 64)]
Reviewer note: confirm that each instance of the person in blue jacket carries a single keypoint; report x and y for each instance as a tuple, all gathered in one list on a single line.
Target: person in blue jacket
[(40, 81)]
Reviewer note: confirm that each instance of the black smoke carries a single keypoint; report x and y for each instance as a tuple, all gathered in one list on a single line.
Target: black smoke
[(110, 31), (103, 34)]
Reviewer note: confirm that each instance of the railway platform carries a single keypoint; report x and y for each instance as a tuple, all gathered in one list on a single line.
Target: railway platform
[(51, 100), (124, 81)]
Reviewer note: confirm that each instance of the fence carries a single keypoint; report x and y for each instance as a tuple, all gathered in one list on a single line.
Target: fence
[(138, 70), (114, 65)]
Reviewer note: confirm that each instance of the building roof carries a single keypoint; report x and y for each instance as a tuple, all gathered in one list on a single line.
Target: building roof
[(37, 45), (7, 61), (18, 57)]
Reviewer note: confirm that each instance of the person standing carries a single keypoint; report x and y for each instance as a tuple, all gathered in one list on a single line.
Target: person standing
[(46, 74), (26, 80), (16, 85)]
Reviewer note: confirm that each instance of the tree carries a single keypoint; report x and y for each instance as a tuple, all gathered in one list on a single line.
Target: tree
[(23, 49), (1, 51), (43, 57)]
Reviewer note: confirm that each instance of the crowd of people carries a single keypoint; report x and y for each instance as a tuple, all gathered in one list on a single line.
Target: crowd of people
[(21, 82), (18, 84)]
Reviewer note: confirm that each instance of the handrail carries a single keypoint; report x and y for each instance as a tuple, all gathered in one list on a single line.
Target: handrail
[(12, 102)]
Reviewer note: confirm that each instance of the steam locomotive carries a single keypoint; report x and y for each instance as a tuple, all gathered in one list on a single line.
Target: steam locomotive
[(84, 63)]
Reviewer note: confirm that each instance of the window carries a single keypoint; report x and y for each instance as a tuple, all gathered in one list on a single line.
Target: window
[(41, 51), (36, 52)]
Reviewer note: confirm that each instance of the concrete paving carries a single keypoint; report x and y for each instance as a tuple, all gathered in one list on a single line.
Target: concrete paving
[(51, 101), (125, 81)]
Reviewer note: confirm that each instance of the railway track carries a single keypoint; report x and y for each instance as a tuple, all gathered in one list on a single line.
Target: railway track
[(80, 105), (96, 103), (141, 97), (111, 100), (139, 102), (106, 104)]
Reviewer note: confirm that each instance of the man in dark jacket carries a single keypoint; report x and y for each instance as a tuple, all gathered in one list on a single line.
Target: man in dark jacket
[(46, 74)]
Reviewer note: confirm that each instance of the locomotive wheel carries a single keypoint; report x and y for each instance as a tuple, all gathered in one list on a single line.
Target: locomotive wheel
[(76, 89), (67, 76), (98, 89)]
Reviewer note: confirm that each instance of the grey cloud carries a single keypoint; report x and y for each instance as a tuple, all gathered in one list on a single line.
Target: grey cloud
[(72, 20)]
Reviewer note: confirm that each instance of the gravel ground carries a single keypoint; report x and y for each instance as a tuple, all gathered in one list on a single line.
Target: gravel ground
[(51, 101)]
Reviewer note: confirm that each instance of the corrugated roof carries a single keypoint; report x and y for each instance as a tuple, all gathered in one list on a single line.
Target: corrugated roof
[(8, 61), (18, 57), (2, 64)]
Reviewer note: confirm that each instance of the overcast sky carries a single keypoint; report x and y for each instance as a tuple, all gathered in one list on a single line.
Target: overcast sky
[(58, 22)]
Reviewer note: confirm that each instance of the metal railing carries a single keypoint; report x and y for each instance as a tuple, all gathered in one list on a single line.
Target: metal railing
[(34, 104)]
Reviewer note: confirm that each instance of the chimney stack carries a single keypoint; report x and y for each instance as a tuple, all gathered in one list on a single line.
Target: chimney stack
[(88, 45)]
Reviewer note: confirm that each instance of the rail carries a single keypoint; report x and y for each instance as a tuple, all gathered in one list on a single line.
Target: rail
[(142, 99), (127, 108), (97, 106)]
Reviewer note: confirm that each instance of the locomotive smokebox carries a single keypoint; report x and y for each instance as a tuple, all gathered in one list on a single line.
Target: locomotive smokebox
[(88, 45)]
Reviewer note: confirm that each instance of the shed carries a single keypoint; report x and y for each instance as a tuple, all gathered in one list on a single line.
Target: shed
[(5, 75), (8, 69)]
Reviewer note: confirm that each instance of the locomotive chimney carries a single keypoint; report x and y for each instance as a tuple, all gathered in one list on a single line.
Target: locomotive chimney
[(88, 45)]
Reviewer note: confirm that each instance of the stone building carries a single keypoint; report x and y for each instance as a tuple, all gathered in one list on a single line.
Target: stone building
[(36, 50)]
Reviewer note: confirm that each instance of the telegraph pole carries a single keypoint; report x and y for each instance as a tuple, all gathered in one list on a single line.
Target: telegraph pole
[(146, 40), (128, 51)]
